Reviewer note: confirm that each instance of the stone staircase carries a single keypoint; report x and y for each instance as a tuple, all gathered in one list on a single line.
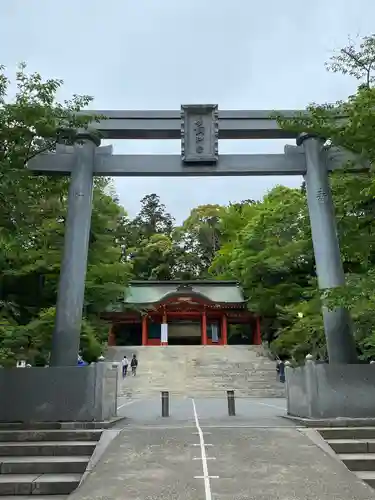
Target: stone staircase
[(45, 462), (200, 370), (355, 447)]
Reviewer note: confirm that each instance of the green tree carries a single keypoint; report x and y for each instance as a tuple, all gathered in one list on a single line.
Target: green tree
[(200, 237), (148, 244), (349, 124), (32, 218), (153, 217), (269, 252), (234, 219)]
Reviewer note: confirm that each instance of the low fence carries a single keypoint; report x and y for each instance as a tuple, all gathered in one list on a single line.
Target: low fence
[(58, 394), (321, 390)]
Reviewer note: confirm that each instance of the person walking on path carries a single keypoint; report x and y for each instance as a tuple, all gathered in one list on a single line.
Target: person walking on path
[(134, 364), (125, 364)]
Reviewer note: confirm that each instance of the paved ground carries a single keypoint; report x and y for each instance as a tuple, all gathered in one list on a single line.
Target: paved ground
[(210, 410), (200, 453)]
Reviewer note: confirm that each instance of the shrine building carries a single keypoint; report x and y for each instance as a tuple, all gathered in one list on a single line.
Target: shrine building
[(155, 313)]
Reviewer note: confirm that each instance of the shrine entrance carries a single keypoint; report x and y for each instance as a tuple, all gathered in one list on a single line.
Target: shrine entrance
[(127, 334), (199, 312), (184, 331)]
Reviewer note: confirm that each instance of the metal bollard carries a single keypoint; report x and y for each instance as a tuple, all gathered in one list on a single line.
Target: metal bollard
[(165, 404), (231, 404)]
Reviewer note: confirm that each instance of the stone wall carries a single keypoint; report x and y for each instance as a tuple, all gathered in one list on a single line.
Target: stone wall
[(331, 391), (297, 403), (58, 394)]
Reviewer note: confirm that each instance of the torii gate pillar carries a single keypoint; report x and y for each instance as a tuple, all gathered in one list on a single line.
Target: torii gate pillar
[(337, 323), (71, 291)]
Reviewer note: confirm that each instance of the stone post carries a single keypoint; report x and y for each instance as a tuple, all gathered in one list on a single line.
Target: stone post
[(311, 386), (66, 334), (337, 323), (288, 367)]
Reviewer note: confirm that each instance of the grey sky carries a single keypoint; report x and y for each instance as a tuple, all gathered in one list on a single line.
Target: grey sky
[(158, 54)]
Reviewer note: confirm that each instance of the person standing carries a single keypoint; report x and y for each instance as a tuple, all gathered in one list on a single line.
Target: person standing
[(125, 364), (280, 368), (81, 362), (134, 364)]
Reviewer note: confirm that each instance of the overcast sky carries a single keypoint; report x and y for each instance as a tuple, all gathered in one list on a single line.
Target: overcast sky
[(159, 54)]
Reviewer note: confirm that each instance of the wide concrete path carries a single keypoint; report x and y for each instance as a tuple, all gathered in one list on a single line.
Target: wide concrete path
[(259, 457)]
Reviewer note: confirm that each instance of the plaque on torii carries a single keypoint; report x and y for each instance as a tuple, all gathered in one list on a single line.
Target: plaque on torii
[(200, 133)]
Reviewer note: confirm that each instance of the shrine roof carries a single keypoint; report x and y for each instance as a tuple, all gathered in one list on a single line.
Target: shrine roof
[(150, 292)]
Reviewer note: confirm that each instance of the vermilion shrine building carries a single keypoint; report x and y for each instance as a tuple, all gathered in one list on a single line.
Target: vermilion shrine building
[(181, 312)]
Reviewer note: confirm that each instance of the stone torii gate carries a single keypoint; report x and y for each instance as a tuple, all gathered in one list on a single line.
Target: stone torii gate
[(199, 127)]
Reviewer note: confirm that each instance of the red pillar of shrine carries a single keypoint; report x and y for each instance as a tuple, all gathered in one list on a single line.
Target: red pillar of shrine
[(204, 328), (224, 329), (144, 330), (258, 334), (111, 337)]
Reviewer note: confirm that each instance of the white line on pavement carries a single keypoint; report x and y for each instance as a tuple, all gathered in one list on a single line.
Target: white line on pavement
[(126, 404), (207, 458), (208, 477), (205, 477), (270, 406), (199, 444)]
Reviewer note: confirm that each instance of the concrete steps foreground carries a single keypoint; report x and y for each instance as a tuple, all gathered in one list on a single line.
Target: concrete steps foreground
[(44, 462), (39, 484), (34, 497), (355, 447)]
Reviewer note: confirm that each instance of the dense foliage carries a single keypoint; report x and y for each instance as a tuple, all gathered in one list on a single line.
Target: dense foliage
[(32, 216), (265, 245)]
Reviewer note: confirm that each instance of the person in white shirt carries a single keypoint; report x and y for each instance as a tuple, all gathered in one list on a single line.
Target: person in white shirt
[(125, 364)]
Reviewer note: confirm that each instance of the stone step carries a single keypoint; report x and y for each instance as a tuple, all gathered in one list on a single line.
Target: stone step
[(50, 435), (329, 433), (155, 375), (200, 387), (47, 448), (43, 464), (199, 378), (352, 445), (358, 461), (213, 395), (34, 497), (44, 426), (204, 394), (367, 476), (34, 484), (201, 370)]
